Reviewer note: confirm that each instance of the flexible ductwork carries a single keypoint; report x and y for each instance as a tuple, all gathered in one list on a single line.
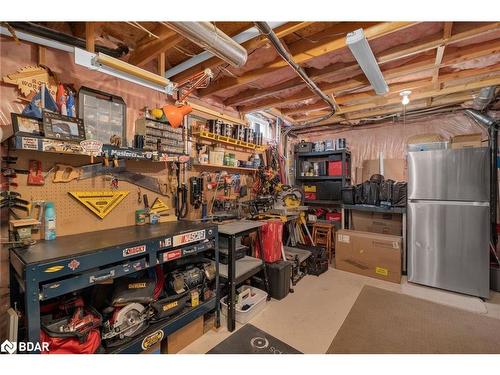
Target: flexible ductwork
[(275, 41), (492, 126), (210, 38), (486, 95)]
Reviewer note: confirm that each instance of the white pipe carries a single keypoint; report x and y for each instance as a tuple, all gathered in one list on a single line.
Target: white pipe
[(242, 37), (38, 40)]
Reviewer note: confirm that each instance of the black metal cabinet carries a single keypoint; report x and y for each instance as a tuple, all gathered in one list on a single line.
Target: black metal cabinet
[(50, 269)]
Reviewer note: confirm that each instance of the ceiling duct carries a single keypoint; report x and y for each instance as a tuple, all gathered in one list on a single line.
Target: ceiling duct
[(358, 44), (486, 95), (210, 38)]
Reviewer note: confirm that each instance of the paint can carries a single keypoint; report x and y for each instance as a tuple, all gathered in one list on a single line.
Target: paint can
[(140, 217), (329, 145)]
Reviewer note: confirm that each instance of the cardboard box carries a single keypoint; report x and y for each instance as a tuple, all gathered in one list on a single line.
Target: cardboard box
[(183, 337), (369, 254), (394, 169), (383, 223), (466, 141)]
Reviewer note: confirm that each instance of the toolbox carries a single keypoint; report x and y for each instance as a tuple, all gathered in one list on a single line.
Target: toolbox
[(279, 275), (304, 147), (310, 196), (329, 190), (238, 254), (335, 168)]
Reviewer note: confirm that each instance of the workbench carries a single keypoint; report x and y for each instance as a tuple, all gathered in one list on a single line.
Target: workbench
[(51, 269), (240, 270), (378, 209)]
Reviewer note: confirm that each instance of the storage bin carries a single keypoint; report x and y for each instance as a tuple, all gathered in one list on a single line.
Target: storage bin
[(216, 156), (255, 297), (335, 168)]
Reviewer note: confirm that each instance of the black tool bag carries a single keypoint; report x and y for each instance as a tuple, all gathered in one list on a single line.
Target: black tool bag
[(128, 290), (348, 195), (169, 306), (317, 263), (303, 147), (399, 194), (386, 190), (358, 194), (377, 178), (371, 193)]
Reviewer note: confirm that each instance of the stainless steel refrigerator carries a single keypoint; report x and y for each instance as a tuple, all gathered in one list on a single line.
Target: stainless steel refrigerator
[(448, 219)]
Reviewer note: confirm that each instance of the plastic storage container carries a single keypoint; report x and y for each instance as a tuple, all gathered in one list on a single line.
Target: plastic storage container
[(250, 296), (216, 156), (280, 274)]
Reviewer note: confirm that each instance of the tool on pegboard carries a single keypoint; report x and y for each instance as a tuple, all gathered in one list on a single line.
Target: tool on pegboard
[(9, 174), (13, 200), (35, 176), (100, 203), (159, 206), (66, 173)]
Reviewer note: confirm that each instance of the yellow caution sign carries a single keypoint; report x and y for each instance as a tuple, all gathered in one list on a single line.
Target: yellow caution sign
[(159, 206), (100, 203)]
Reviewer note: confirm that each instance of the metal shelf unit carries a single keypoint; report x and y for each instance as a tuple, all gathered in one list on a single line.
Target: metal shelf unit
[(231, 231), (344, 179), (50, 269)]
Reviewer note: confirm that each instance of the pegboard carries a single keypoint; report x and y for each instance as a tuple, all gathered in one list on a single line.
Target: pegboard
[(72, 217)]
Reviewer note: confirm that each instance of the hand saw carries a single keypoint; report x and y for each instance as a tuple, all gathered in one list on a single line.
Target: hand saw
[(119, 172)]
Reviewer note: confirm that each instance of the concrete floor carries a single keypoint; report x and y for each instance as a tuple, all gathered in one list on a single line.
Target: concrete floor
[(310, 318)]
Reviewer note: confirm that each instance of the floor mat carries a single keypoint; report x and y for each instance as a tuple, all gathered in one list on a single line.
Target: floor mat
[(251, 340), (386, 322)]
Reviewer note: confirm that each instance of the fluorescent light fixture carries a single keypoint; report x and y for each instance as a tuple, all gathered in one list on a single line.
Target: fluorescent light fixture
[(406, 97), (358, 44), (120, 69)]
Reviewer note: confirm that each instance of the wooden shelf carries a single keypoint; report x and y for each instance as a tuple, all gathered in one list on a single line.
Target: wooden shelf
[(226, 167), (229, 141), (41, 144)]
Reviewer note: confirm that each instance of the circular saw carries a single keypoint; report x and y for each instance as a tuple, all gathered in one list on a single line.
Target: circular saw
[(126, 322)]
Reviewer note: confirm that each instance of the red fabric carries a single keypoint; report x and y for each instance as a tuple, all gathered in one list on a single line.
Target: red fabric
[(272, 240), (60, 345)]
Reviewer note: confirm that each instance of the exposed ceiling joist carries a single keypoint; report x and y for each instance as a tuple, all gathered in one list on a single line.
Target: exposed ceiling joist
[(443, 101), (420, 64), (146, 52), (420, 86), (305, 49)]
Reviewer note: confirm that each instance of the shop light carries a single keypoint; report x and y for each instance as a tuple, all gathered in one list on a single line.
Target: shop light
[(120, 69), (358, 44)]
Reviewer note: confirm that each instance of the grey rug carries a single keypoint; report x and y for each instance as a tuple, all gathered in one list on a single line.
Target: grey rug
[(251, 340), (386, 322)]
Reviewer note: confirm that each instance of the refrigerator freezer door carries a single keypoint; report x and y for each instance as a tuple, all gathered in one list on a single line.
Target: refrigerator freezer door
[(448, 246), (455, 175)]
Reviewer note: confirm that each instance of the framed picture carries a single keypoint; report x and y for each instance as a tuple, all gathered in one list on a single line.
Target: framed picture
[(26, 125), (57, 126)]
